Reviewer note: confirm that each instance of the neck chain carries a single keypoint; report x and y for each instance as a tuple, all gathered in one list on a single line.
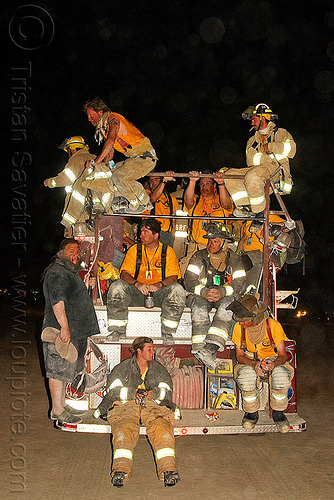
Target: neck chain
[(150, 261), (212, 205)]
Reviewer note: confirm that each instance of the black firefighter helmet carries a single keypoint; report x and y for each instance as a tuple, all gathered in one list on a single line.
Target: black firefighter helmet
[(217, 230)]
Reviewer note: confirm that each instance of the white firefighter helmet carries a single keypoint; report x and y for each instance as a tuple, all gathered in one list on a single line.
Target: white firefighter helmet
[(75, 142)]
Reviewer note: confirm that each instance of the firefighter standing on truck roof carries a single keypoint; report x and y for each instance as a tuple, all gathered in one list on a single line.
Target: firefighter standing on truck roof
[(139, 391), (71, 178), (266, 150), (152, 268), (163, 204), (260, 350), (214, 277), (122, 178)]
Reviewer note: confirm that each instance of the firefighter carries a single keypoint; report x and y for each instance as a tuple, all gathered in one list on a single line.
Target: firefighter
[(267, 150), (260, 351), (140, 158), (163, 204), (139, 390), (214, 277), (214, 200), (149, 268), (251, 243), (77, 208)]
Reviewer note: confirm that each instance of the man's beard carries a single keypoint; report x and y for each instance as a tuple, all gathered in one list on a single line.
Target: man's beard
[(70, 265)]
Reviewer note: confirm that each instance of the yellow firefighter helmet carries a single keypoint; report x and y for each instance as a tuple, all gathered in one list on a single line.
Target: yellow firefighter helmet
[(75, 142), (226, 399), (260, 110)]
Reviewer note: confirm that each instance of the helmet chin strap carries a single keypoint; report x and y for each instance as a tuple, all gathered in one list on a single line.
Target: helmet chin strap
[(222, 248)]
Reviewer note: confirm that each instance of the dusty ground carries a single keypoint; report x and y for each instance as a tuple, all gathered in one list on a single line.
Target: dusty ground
[(40, 462)]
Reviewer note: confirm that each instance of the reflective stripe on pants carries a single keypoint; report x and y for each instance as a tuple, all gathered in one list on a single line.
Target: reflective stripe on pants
[(124, 420)]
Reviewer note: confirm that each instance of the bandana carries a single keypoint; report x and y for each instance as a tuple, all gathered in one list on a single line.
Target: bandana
[(256, 333), (218, 260), (101, 128)]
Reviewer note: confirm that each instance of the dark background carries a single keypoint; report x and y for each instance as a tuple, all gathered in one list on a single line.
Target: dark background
[(182, 71)]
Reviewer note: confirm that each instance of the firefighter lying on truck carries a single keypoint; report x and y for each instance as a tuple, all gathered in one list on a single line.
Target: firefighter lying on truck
[(214, 277), (139, 390), (260, 350)]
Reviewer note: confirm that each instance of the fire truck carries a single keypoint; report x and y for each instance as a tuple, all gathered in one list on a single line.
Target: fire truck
[(209, 400)]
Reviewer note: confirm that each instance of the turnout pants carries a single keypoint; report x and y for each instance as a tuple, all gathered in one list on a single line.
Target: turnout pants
[(203, 330), (125, 419), (279, 384), (123, 180), (121, 295), (250, 189)]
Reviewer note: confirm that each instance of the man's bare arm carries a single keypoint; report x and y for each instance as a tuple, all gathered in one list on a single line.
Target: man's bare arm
[(224, 195), (190, 191), (59, 312)]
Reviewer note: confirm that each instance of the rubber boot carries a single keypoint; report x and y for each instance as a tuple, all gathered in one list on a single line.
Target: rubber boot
[(206, 355), (256, 225), (171, 478), (250, 420), (282, 423), (117, 479)]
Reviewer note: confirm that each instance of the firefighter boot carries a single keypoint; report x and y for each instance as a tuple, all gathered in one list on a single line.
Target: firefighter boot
[(243, 211), (171, 478), (282, 423), (120, 205), (167, 338), (256, 225), (112, 336), (117, 479), (250, 420), (206, 355)]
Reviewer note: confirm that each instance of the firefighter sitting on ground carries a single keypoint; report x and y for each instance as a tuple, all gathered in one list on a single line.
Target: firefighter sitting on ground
[(268, 149), (139, 391), (214, 277), (76, 208), (119, 181), (260, 350), (163, 204), (151, 268)]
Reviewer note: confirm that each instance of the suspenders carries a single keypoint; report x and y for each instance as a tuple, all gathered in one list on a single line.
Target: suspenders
[(140, 256), (271, 340)]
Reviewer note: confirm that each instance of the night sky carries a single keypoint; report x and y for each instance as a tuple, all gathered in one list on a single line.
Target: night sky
[(182, 71)]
